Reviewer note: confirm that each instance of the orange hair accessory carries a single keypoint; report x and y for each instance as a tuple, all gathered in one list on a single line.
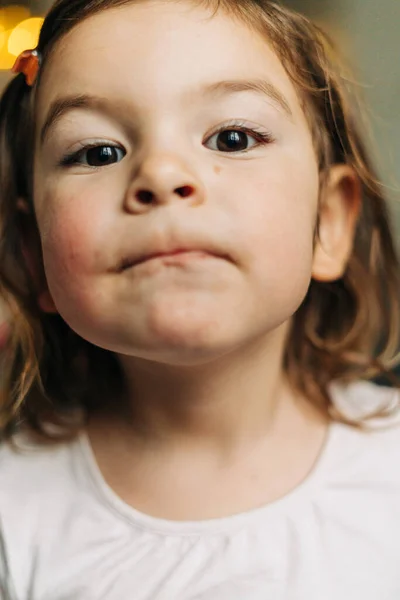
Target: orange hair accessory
[(28, 63)]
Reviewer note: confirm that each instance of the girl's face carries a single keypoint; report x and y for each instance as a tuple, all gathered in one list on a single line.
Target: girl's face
[(160, 128)]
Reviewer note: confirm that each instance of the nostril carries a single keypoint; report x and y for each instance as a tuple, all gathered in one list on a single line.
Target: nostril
[(145, 197), (184, 191)]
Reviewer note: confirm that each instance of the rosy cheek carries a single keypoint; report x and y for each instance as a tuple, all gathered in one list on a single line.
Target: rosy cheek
[(70, 246)]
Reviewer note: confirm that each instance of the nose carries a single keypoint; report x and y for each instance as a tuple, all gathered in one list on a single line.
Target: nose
[(163, 179)]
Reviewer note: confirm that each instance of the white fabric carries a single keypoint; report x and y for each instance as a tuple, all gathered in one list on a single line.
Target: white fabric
[(67, 536)]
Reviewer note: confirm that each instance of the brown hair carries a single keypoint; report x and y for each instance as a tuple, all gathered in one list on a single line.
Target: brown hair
[(344, 330)]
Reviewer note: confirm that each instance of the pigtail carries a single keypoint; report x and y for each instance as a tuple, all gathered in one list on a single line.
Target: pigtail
[(20, 355), (44, 374)]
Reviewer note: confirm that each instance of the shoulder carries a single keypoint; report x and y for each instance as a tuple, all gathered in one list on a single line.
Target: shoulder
[(38, 486), (374, 405), (28, 469), (370, 452)]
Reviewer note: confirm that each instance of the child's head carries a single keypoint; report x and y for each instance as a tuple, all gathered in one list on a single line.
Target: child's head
[(154, 126)]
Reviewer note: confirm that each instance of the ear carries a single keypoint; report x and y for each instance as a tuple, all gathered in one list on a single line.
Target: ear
[(31, 251), (339, 212)]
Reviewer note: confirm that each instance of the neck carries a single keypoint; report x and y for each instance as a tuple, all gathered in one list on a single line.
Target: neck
[(221, 406)]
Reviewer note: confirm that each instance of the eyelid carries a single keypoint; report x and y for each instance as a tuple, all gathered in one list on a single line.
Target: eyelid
[(263, 136), (69, 159), (241, 124)]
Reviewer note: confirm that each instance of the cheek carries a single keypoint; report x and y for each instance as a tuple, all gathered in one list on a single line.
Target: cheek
[(277, 228), (70, 234)]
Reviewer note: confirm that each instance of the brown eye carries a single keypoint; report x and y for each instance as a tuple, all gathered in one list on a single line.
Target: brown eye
[(232, 141), (94, 156), (238, 140), (101, 156)]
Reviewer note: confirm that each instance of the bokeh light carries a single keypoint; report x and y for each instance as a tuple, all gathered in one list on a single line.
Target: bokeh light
[(18, 32), (24, 36), (10, 16), (2, 35), (7, 60)]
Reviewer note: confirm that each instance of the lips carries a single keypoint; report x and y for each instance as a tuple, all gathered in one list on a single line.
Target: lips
[(132, 262), (171, 253)]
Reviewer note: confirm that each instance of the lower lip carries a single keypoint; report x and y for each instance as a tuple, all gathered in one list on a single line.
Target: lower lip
[(179, 258)]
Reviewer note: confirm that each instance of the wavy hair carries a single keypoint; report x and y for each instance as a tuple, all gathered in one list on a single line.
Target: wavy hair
[(344, 330)]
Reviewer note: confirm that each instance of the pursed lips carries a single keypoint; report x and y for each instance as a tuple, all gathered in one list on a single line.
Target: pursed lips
[(179, 255)]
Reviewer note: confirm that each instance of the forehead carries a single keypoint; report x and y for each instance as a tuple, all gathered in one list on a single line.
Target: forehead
[(160, 51)]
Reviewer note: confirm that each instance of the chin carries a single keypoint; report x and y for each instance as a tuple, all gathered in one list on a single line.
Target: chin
[(190, 347), (182, 347)]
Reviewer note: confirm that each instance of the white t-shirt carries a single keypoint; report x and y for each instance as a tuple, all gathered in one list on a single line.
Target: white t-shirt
[(67, 536)]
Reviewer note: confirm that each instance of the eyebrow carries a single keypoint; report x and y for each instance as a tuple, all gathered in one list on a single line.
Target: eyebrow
[(262, 87), (61, 106)]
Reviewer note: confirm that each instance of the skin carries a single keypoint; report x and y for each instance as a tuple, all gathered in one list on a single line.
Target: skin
[(200, 341)]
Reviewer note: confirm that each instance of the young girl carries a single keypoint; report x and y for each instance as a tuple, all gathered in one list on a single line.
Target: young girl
[(201, 281)]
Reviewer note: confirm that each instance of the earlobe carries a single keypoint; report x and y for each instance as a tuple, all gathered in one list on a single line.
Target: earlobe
[(46, 303), (23, 206), (338, 217)]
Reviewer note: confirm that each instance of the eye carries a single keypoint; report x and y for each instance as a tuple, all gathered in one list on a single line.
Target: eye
[(95, 156), (239, 139)]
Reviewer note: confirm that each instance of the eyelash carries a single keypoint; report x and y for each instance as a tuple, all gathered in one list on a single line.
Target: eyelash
[(263, 138)]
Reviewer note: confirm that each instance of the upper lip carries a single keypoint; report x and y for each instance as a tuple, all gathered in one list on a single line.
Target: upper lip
[(175, 249)]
